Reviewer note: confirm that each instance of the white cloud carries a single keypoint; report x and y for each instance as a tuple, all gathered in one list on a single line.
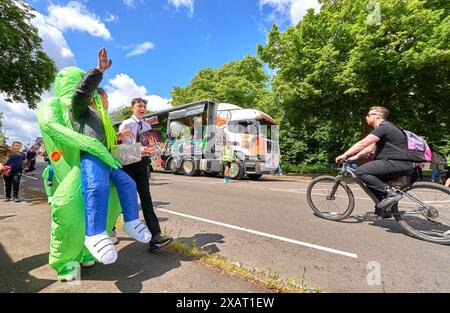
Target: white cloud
[(140, 48), (53, 42), (122, 88), (111, 17), (183, 3), (288, 10), (75, 16), (20, 122), (300, 7), (129, 3)]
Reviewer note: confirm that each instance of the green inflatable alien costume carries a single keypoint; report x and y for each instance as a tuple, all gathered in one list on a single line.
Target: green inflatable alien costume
[(63, 144), (89, 188)]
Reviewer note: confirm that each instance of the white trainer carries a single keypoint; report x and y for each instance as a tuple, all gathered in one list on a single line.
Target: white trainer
[(101, 248), (137, 230)]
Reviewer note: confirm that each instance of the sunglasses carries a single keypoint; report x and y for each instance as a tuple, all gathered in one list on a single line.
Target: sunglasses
[(370, 114)]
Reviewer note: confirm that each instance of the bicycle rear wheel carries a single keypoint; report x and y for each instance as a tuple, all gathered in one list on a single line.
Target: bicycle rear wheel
[(431, 225), (337, 206)]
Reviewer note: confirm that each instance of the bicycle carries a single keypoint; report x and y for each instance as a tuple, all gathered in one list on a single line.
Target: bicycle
[(423, 212)]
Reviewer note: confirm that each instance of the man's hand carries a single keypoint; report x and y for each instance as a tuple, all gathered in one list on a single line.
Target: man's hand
[(341, 158), (103, 62)]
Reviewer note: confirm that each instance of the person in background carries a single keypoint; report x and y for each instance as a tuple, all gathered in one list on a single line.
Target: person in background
[(31, 160), (437, 166), (15, 162)]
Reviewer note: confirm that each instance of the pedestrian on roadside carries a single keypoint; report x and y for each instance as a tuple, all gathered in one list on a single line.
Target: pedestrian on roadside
[(418, 173), (50, 168), (31, 160), (227, 159), (447, 175), (437, 166), (12, 179), (139, 171), (279, 171)]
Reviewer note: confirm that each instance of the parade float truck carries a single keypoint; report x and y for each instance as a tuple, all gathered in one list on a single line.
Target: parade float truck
[(189, 139)]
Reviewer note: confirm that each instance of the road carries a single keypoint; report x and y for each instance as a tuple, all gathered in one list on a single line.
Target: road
[(268, 225)]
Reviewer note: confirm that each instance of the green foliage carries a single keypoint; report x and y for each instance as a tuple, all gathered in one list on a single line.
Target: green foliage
[(25, 70), (239, 82), (122, 113), (332, 66)]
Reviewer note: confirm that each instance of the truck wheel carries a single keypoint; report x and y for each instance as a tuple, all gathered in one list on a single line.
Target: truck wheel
[(188, 168), (170, 165), (237, 170)]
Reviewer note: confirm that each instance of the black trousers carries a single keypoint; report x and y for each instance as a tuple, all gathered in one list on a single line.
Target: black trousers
[(377, 172), (12, 180), (139, 173)]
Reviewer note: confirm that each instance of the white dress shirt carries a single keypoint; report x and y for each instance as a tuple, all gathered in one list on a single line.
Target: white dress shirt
[(133, 124)]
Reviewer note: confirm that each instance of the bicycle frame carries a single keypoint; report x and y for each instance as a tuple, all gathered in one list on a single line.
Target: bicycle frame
[(346, 169)]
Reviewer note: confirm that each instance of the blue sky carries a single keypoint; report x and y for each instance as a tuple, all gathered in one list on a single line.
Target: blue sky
[(155, 44)]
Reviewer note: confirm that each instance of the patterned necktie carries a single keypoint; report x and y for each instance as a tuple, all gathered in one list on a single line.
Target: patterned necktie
[(138, 135)]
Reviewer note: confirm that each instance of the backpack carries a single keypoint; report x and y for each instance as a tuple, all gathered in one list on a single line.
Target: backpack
[(418, 149)]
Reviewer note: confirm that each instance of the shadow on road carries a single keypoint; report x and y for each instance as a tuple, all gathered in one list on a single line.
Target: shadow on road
[(134, 266), (206, 242), (4, 217), (15, 277), (389, 224)]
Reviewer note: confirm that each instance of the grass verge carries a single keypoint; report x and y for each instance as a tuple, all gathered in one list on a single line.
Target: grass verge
[(267, 279)]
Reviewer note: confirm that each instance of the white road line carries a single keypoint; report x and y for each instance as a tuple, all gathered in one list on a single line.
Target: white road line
[(29, 176), (301, 243), (193, 181), (208, 183)]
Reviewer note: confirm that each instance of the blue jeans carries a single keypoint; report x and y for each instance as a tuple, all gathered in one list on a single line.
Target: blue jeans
[(95, 176), (433, 175)]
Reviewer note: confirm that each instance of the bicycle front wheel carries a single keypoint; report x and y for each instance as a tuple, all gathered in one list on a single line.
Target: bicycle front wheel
[(330, 199), (431, 223)]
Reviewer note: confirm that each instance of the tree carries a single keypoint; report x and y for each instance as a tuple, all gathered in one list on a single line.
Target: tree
[(333, 65), (239, 82), (25, 70), (122, 113)]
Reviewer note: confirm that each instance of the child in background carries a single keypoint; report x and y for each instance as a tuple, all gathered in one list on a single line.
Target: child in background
[(16, 162)]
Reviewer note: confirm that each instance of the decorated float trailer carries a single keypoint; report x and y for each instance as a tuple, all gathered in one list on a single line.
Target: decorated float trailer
[(189, 139)]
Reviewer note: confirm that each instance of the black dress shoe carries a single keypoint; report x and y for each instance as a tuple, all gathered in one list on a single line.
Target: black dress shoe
[(159, 241)]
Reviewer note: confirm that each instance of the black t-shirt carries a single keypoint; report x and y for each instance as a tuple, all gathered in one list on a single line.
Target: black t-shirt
[(392, 144)]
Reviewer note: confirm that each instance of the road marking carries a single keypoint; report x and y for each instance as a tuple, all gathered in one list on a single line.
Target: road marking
[(193, 181), (30, 176), (297, 242), (208, 183)]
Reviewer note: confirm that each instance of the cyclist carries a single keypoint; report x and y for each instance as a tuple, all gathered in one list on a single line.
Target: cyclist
[(388, 143)]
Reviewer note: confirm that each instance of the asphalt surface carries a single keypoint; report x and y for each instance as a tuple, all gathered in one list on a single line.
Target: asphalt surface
[(24, 246), (266, 225)]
